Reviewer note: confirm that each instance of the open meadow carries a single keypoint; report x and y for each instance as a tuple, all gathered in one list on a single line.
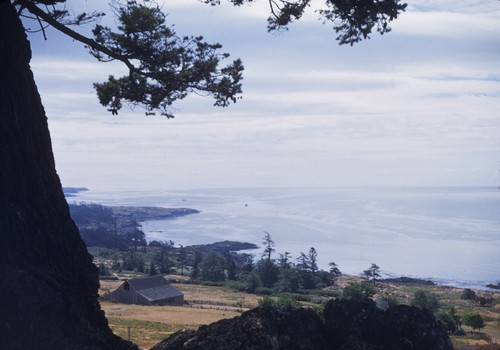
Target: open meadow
[(147, 325)]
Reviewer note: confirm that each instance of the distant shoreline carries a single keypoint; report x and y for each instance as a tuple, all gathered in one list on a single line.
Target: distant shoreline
[(73, 191), (238, 200)]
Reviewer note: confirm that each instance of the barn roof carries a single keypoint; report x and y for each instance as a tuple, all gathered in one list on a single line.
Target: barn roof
[(147, 282), (154, 288)]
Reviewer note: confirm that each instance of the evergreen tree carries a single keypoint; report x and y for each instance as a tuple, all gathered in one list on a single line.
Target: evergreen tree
[(302, 263), (152, 269), (103, 270), (307, 268), (268, 245), (372, 273), (162, 256), (312, 258), (139, 264), (182, 258), (288, 280), (334, 272), (253, 281), (212, 267), (231, 270), (268, 272), (197, 259)]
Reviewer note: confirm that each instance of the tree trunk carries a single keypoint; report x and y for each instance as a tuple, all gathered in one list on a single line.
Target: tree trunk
[(48, 283)]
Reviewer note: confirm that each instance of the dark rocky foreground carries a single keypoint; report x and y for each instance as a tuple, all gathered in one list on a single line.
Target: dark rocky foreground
[(348, 325), (48, 284)]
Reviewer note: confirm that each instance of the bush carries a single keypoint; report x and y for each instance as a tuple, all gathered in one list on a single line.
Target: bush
[(252, 282), (485, 301), (264, 291), (282, 303), (319, 309), (425, 300), (330, 293), (287, 304), (473, 320), (266, 302), (211, 283), (393, 300), (237, 285), (358, 291), (447, 321), (298, 296), (468, 294)]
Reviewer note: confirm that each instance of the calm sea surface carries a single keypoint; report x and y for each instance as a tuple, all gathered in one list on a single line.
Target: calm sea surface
[(450, 235)]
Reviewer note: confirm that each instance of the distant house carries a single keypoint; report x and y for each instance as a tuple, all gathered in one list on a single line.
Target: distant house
[(154, 290)]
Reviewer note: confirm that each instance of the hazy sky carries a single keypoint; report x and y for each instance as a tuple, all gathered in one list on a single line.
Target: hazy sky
[(419, 106)]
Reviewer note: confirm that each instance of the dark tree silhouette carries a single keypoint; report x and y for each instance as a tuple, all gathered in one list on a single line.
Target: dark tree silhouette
[(372, 273), (353, 20), (48, 283), (269, 244)]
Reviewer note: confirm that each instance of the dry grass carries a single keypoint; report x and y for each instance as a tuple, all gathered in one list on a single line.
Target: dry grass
[(180, 316), (207, 304), (209, 296), (147, 325), (143, 333)]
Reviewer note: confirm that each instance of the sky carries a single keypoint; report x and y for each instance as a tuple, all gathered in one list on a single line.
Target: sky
[(419, 106)]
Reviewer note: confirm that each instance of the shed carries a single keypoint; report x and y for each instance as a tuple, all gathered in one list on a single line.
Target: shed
[(154, 290)]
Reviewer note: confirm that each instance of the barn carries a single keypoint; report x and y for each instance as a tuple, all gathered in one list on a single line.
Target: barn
[(154, 290)]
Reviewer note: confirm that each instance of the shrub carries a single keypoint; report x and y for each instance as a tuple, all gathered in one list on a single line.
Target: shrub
[(264, 291), (425, 300), (473, 320), (447, 320), (282, 303), (468, 294), (237, 285), (266, 302), (252, 282), (287, 304), (358, 291), (393, 300), (330, 293), (485, 301)]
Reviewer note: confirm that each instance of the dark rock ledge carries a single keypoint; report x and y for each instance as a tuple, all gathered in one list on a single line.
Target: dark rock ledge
[(347, 325)]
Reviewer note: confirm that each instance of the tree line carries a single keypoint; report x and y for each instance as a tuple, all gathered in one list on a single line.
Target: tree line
[(267, 274), (100, 226)]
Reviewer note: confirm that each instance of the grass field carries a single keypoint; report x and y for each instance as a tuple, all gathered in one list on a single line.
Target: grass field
[(147, 325)]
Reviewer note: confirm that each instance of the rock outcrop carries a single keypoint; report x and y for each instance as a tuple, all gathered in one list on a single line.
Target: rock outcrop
[(361, 325), (48, 284), (348, 325)]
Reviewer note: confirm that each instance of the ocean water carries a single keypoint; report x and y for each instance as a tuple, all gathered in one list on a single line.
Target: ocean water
[(450, 235)]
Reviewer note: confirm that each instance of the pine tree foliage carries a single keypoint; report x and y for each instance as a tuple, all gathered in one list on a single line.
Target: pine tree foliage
[(168, 67), (353, 20), (165, 67)]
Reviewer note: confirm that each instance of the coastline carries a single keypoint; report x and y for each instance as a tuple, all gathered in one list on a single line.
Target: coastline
[(342, 226)]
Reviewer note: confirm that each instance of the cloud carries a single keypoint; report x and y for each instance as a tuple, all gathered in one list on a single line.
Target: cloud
[(417, 106)]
